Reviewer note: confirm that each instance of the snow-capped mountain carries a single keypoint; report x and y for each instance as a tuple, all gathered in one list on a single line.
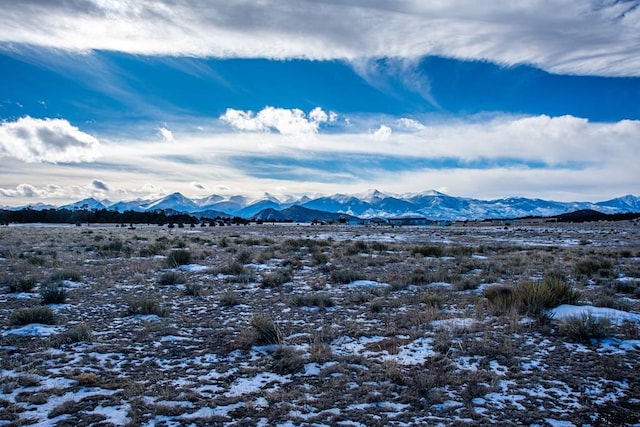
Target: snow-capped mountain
[(89, 204), (174, 201), (430, 204)]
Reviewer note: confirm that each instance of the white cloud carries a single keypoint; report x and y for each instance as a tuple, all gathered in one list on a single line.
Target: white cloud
[(562, 36), (567, 158), (284, 121), (410, 124), (198, 186), (166, 134), (46, 140), (383, 132)]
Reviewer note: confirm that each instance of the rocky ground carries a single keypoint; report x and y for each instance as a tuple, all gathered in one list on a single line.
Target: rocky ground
[(326, 325)]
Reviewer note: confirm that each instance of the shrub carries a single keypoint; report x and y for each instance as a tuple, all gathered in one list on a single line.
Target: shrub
[(466, 284), (277, 278), (535, 298), (77, 333), (433, 301), (345, 276), (319, 258), (357, 248), (193, 289), (233, 269), (266, 330), (286, 360), (178, 257), (427, 251), (319, 300), (153, 249), (244, 257), (145, 306), (22, 285), (53, 293), (585, 327), (229, 299), (40, 314), (531, 298), (65, 274), (501, 299), (593, 266), (171, 278)]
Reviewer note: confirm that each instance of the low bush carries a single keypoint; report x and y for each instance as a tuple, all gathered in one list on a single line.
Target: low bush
[(345, 276), (53, 293), (26, 316), (531, 298), (266, 330), (229, 299), (244, 257), (501, 299), (193, 289), (65, 274), (145, 306), (233, 269), (23, 285), (320, 300), (319, 258), (75, 334), (171, 278), (286, 360), (592, 266), (535, 297), (178, 257), (427, 251), (585, 327), (277, 278)]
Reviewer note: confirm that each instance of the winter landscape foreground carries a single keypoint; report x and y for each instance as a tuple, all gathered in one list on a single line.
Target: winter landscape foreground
[(298, 325)]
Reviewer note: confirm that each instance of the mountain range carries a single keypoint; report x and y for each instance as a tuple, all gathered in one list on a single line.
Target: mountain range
[(430, 204)]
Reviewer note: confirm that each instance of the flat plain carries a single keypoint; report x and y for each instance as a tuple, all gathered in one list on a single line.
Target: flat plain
[(299, 325)]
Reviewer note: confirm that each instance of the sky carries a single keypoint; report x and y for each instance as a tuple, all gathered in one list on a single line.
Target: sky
[(122, 99)]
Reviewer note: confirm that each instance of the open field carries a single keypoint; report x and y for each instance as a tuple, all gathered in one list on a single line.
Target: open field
[(325, 325)]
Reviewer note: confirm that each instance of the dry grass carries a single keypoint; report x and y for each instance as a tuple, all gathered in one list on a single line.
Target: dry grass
[(340, 365)]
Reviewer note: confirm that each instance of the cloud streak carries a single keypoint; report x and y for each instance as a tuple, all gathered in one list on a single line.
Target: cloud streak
[(566, 158), (560, 36), (46, 141)]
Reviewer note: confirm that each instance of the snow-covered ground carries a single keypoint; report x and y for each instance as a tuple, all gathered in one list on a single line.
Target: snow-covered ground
[(407, 345)]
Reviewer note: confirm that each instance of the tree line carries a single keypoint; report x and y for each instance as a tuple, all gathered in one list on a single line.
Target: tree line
[(105, 216)]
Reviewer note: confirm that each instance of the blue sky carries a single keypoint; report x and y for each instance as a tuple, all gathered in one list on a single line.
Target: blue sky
[(120, 101)]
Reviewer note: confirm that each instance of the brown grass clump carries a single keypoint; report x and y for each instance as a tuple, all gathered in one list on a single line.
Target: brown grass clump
[(26, 316)]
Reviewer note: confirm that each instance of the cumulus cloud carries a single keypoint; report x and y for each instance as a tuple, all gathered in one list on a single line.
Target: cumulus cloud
[(166, 134), (562, 36), (46, 140), (284, 121), (383, 132)]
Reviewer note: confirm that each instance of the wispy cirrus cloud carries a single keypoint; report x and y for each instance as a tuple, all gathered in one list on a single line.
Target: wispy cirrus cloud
[(46, 140), (561, 36), (566, 158)]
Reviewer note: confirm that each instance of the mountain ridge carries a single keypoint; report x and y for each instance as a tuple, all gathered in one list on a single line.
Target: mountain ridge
[(374, 203)]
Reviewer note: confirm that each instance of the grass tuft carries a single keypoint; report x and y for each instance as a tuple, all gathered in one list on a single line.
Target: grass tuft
[(277, 278), (26, 316), (585, 327), (178, 257), (53, 293), (171, 278), (267, 332), (145, 306)]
